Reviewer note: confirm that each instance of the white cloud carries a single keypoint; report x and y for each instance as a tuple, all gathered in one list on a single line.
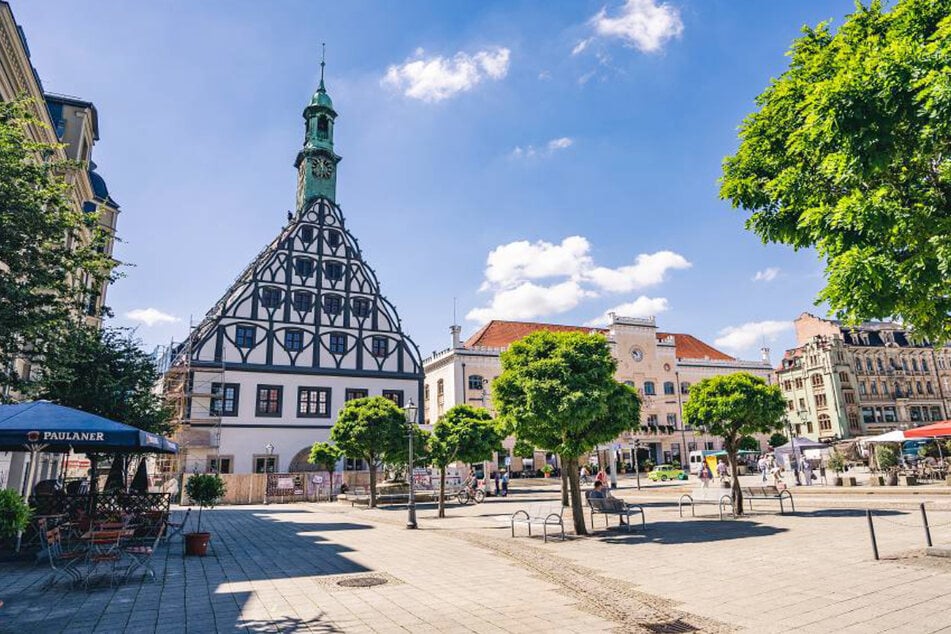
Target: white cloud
[(751, 335), (533, 279), (528, 301), (545, 75), (649, 269), (580, 46), (766, 275), (642, 307), (644, 24), (433, 79), (151, 316), (530, 151)]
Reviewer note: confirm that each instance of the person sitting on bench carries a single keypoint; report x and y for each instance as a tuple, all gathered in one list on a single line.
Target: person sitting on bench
[(610, 503)]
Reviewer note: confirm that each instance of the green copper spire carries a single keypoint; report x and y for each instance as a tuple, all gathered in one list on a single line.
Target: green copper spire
[(316, 162)]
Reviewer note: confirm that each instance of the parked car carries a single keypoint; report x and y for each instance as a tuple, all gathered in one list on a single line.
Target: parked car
[(665, 472)]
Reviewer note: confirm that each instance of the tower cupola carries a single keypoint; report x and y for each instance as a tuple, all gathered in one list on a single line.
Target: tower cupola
[(316, 162)]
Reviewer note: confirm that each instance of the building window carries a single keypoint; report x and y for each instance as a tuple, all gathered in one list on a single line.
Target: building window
[(891, 416), (219, 464), (313, 402), (825, 423), (224, 399), (355, 393), (361, 307), (874, 386), (303, 301), (244, 336), (669, 387), (914, 364), (270, 297), (787, 385), (332, 304), (849, 397), (881, 366), (649, 388), (820, 400), (884, 388), (844, 377), (854, 421), (304, 267), (380, 347), (798, 383), (672, 420), (293, 340), (929, 388), (426, 392), (708, 445), (936, 413), (862, 389), (918, 388), (333, 239), (265, 464), (790, 405), (475, 382), (394, 395), (269, 400), (338, 343), (440, 388), (802, 403), (915, 414), (904, 364), (816, 380), (333, 270), (924, 365), (685, 387), (652, 421), (868, 365), (858, 366), (307, 234)]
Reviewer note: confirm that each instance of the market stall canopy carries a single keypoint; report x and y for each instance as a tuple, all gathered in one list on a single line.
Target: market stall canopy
[(801, 445), (892, 436), (930, 431), (45, 426)]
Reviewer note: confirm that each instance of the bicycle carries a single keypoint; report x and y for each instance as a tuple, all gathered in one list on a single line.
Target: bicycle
[(468, 494)]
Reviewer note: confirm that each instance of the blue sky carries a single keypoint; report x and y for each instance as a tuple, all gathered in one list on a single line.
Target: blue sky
[(534, 160)]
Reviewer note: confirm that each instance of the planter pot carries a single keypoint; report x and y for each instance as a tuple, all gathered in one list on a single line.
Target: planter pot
[(876, 481), (197, 543), (848, 481), (837, 481), (892, 480), (908, 481)]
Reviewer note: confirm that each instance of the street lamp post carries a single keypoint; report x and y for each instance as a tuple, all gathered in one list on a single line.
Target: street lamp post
[(268, 451), (411, 411)]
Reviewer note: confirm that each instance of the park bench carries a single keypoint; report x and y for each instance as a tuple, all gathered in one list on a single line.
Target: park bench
[(720, 497), (549, 514), (769, 493), (613, 506)]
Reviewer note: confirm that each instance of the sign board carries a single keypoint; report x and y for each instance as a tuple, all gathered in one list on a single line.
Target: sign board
[(318, 479), (508, 461)]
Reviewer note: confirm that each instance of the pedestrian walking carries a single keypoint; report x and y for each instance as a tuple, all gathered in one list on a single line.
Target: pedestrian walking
[(722, 471), (497, 482), (705, 475), (807, 471), (762, 465), (505, 483)]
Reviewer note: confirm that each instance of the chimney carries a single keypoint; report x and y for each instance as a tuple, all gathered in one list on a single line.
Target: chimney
[(455, 331)]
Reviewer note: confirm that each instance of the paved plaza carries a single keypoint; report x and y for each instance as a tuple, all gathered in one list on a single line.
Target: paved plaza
[(278, 568)]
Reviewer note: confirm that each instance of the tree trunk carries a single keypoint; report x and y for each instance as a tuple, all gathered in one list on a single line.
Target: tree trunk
[(564, 484), (442, 492), (373, 482), (574, 485), (735, 481)]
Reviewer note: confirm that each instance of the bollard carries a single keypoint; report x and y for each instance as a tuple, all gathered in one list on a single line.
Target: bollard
[(871, 532), (924, 520)]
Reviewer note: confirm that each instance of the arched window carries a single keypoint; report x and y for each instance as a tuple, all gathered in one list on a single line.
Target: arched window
[(668, 387), (439, 388), (475, 382), (426, 392), (881, 366), (868, 364), (858, 366), (924, 365), (825, 423), (649, 388), (914, 364)]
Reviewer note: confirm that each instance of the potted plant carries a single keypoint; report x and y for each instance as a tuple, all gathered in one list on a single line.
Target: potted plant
[(836, 462), (887, 459), (206, 490), (14, 514), (547, 470)]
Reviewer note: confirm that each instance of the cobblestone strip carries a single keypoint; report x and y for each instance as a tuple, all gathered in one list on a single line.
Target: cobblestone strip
[(613, 599)]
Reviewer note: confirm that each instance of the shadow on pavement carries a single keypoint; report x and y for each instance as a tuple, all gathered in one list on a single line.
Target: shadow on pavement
[(847, 513), (689, 532), (286, 624)]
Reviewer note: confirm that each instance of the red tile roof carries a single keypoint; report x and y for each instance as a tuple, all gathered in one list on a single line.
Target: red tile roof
[(499, 334)]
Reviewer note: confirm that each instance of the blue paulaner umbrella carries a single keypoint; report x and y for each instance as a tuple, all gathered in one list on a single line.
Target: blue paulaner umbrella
[(41, 426)]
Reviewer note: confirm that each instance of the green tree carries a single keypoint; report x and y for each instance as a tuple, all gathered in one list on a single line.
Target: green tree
[(398, 457), (731, 406), (777, 439), (370, 428), (523, 449), (324, 456), (464, 433), (47, 245), (557, 391), (847, 153), (748, 443), (104, 372)]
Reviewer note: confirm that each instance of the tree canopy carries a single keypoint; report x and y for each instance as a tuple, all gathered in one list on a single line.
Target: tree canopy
[(370, 428), (104, 372), (324, 455), (464, 433), (48, 246), (557, 391), (732, 406), (848, 153)]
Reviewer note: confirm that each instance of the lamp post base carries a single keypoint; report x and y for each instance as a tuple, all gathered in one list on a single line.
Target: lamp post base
[(411, 519)]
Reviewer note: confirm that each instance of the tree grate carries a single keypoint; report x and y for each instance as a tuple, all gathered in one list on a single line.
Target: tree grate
[(362, 582), (670, 627)]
